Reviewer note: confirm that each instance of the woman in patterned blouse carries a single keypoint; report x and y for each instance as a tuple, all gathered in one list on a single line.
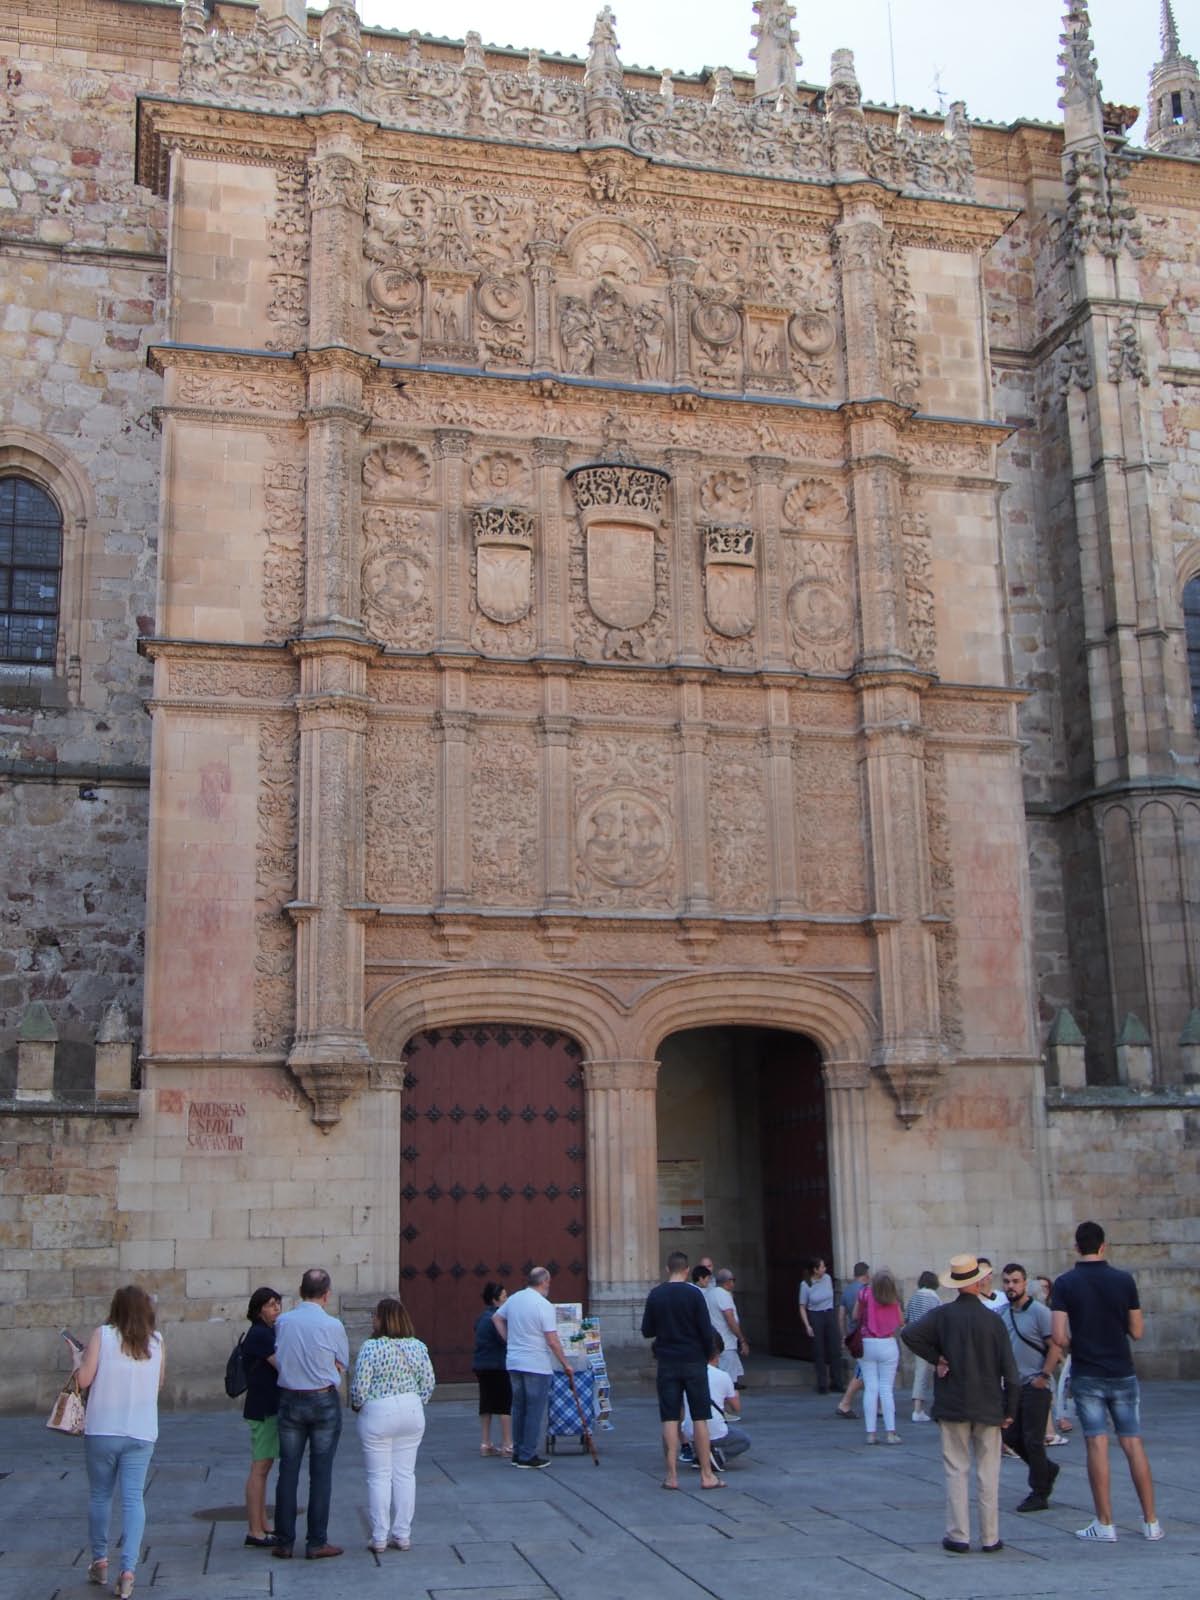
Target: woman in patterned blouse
[(393, 1379)]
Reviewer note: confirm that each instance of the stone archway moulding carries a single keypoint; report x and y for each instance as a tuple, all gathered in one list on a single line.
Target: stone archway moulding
[(839, 1024)]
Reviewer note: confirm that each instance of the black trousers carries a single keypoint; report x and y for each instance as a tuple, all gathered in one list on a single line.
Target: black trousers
[(827, 1349), (1026, 1434)]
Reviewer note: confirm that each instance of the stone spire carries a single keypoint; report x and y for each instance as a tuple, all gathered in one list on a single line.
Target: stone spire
[(1083, 111), (603, 82), (774, 55), (285, 16), (1173, 113)]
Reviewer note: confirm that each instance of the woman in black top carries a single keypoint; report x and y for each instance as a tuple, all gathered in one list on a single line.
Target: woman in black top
[(488, 1365), (260, 1410)]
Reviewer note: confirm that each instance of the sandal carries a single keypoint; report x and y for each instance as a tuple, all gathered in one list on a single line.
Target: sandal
[(504, 1450), (98, 1570), (124, 1589), (488, 1450)]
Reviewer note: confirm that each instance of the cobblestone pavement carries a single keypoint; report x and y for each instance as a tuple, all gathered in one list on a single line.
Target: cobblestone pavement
[(811, 1511)]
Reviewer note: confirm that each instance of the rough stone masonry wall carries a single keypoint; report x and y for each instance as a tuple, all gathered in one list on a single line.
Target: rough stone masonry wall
[(82, 281)]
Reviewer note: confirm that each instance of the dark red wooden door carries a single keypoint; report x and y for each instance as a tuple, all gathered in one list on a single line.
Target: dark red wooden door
[(492, 1174), (795, 1179)]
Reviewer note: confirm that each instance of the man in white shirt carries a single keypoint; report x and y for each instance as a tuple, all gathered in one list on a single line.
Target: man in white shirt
[(724, 1442), (722, 1310), (527, 1324), (989, 1295), (311, 1353)]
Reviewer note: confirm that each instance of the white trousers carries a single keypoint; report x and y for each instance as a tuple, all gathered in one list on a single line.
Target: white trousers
[(880, 1358), (391, 1429)]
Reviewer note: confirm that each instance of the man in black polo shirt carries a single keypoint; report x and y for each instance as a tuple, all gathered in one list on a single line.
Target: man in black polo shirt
[(1097, 1311), (676, 1318)]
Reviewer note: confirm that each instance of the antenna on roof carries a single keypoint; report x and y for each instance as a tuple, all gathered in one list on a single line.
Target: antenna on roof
[(942, 96), (892, 53)]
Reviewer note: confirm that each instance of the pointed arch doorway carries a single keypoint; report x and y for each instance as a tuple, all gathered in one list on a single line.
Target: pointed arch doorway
[(741, 1112)]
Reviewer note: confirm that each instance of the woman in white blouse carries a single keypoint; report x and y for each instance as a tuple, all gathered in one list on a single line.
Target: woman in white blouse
[(123, 1367), (393, 1380)]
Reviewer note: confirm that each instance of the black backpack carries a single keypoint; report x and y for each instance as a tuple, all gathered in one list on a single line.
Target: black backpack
[(236, 1381)]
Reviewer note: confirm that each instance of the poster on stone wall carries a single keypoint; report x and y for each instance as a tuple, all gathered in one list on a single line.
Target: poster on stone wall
[(680, 1194)]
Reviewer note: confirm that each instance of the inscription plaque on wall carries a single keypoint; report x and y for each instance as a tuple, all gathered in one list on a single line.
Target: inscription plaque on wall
[(681, 1194), (217, 1125)]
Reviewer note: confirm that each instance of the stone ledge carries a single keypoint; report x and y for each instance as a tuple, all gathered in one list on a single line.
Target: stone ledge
[(124, 1108), (1118, 1097)]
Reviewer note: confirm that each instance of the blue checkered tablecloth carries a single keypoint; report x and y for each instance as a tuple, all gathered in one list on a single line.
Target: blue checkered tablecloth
[(564, 1414)]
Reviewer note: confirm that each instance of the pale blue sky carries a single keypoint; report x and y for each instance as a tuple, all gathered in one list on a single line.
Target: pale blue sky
[(1000, 59)]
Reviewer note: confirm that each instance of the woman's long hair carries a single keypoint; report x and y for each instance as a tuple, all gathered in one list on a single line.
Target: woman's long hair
[(132, 1315), (883, 1288), (392, 1321)]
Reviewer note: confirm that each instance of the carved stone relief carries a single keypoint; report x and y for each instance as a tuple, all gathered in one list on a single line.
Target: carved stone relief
[(395, 471), (498, 477), (400, 791), (832, 870), (941, 869), (283, 563), (820, 603), (814, 504), (917, 547), (906, 367), (737, 828), (502, 580), (619, 562), (275, 884), (398, 586), (614, 315), (624, 833), (504, 812), (287, 240)]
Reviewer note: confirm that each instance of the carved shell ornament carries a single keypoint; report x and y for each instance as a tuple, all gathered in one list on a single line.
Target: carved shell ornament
[(499, 476), (398, 470), (725, 493), (814, 500)]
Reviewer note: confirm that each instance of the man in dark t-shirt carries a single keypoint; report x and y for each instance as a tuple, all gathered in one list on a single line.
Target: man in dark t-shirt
[(1096, 1310), (676, 1318)]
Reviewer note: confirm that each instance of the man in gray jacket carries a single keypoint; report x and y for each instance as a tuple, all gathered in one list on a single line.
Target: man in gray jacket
[(975, 1392)]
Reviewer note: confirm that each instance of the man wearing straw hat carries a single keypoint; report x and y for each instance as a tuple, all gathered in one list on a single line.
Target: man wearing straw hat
[(975, 1393)]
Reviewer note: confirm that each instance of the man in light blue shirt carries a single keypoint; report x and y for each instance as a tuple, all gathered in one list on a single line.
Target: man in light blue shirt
[(311, 1353)]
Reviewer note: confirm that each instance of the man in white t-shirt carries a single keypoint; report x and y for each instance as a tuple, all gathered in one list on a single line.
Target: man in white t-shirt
[(989, 1295), (526, 1322), (722, 1311), (725, 1442)]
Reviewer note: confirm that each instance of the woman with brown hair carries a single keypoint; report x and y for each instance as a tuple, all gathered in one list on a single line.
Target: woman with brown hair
[(392, 1382), (880, 1314), (123, 1367)]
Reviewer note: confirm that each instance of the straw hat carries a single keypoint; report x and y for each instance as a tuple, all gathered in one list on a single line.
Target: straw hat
[(964, 1270)]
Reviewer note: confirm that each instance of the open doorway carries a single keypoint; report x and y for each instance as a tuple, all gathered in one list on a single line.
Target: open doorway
[(742, 1142)]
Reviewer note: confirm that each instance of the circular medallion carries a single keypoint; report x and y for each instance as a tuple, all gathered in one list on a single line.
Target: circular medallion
[(394, 581), (716, 322), (812, 333), (501, 299), (394, 290), (818, 612), (625, 837)]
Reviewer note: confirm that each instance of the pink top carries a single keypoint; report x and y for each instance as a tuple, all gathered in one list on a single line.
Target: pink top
[(876, 1321)]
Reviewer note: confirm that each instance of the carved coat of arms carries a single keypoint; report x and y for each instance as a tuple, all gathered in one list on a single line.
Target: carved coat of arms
[(620, 573), (503, 562), (730, 589)]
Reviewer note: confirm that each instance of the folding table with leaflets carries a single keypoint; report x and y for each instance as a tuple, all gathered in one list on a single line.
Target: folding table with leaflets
[(580, 1337)]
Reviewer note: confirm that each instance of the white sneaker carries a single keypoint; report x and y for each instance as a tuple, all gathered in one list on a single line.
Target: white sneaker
[(921, 1416), (1103, 1531), (1153, 1530)]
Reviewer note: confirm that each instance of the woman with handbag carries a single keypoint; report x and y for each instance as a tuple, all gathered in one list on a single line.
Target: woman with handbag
[(880, 1315), (123, 1368), (392, 1382), (261, 1410)]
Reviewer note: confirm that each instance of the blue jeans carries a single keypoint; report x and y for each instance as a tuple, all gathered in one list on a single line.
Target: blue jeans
[(314, 1420), (1097, 1399), (112, 1460), (530, 1401)]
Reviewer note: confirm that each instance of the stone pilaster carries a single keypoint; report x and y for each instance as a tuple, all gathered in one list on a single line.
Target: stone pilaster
[(768, 475), (685, 567), (455, 727), (781, 798), (553, 570), (541, 259), (909, 1051), (846, 1086), (622, 1145), (682, 270), (693, 800), (558, 846), (337, 194), (330, 1057), (450, 447)]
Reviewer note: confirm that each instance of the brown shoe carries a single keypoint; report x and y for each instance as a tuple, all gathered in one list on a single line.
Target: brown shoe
[(322, 1552), (282, 1552)]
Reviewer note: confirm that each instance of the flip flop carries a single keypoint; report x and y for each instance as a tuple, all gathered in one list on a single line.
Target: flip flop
[(674, 1486), (720, 1484)]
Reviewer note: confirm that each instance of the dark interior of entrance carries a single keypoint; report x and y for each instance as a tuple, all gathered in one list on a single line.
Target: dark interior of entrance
[(748, 1104)]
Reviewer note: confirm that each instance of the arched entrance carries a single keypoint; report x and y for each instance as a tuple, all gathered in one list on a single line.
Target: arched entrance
[(741, 1132), (492, 1175)]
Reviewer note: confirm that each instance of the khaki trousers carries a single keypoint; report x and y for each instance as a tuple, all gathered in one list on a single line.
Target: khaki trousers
[(957, 1440)]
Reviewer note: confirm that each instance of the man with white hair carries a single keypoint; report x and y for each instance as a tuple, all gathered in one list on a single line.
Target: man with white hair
[(527, 1324)]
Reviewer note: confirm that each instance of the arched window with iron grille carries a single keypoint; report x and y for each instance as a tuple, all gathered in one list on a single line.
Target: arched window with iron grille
[(31, 551)]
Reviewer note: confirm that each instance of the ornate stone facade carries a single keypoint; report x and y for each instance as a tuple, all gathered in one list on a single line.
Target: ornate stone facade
[(603, 588)]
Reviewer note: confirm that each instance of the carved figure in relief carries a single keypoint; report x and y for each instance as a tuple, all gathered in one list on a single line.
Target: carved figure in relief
[(613, 323), (398, 470), (445, 316), (726, 493), (395, 582), (625, 838), (499, 476), (766, 348), (575, 331), (651, 335), (813, 501)]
